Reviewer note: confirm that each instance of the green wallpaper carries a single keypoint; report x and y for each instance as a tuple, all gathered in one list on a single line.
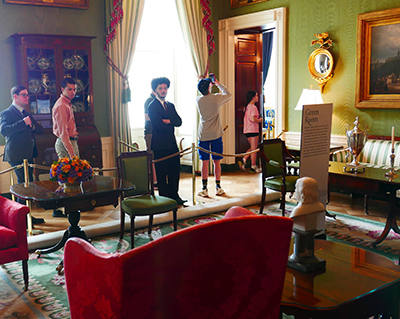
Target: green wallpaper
[(339, 19), (37, 19)]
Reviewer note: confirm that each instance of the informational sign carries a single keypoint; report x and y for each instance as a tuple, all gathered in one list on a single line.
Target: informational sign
[(315, 145)]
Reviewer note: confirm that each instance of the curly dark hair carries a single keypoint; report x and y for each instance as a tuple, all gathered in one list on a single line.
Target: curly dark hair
[(157, 81)]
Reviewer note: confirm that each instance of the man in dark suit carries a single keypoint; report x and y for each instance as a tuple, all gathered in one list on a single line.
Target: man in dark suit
[(164, 119), (19, 128)]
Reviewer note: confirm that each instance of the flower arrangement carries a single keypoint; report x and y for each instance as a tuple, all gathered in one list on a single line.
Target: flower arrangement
[(71, 170)]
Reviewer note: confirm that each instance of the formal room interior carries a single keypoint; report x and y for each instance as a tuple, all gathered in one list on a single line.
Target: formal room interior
[(309, 232)]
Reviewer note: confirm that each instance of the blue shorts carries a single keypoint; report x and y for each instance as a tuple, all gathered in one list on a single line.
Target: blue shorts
[(215, 146)]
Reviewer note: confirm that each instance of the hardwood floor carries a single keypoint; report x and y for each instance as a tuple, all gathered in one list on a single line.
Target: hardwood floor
[(235, 184)]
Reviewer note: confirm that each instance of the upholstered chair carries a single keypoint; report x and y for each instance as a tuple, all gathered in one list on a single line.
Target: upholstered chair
[(136, 167), (273, 155), (13, 237)]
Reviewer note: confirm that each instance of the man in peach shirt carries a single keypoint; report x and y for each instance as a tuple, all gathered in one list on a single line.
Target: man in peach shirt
[(64, 126)]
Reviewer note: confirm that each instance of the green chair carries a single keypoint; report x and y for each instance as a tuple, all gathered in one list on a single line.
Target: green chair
[(274, 154), (136, 167)]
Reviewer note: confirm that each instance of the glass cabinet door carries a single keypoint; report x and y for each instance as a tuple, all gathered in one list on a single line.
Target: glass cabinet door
[(76, 66), (41, 79)]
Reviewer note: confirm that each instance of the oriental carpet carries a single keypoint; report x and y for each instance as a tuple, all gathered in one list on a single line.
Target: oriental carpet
[(47, 297)]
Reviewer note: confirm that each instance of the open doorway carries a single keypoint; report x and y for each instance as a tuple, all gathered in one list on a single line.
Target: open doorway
[(255, 70), (275, 18)]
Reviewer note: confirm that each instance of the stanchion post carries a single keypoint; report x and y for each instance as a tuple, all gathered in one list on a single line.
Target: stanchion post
[(28, 202), (12, 183), (193, 174)]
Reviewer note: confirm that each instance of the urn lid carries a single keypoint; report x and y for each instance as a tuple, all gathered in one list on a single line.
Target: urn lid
[(356, 129)]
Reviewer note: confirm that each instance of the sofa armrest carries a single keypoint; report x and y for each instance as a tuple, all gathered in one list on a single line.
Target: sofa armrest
[(342, 156), (93, 280), (13, 215)]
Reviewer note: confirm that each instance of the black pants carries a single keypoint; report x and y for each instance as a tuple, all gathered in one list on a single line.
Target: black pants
[(20, 174), (168, 173)]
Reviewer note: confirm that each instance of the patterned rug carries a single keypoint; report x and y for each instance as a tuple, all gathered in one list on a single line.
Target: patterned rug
[(47, 297)]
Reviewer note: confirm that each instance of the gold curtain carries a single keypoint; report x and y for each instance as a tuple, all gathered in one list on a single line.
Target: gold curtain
[(190, 16), (121, 52)]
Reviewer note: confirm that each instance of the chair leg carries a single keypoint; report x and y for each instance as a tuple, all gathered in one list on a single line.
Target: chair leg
[(132, 232), (25, 273), (174, 212), (366, 204), (150, 224), (122, 227), (262, 200), (283, 203)]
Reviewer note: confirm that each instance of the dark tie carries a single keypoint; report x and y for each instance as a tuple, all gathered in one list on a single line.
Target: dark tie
[(165, 106), (24, 112)]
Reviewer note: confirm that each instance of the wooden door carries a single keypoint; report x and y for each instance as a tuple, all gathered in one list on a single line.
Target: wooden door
[(248, 65)]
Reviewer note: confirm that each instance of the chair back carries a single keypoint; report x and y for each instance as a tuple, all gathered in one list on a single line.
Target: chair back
[(135, 167), (273, 150), (230, 268)]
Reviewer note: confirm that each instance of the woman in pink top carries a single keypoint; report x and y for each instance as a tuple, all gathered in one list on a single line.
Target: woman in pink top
[(251, 129)]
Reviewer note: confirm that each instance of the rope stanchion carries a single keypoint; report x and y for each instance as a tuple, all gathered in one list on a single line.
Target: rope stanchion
[(46, 168), (172, 155), (28, 202), (193, 174), (128, 146), (11, 168), (104, 169), (228, 155)]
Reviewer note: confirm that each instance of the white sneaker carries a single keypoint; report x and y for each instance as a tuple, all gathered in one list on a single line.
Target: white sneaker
[(219, 191), (255, 169), (203, 193), (242, 165)]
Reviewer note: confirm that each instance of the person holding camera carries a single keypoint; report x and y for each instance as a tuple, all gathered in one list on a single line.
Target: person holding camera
[(210, 129)]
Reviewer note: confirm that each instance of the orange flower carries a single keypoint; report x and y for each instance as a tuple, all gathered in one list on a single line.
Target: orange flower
[(71, 179)]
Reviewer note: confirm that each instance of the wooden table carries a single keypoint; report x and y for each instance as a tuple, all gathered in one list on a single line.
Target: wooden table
[(355, 284), (372, 182), (100, 191)]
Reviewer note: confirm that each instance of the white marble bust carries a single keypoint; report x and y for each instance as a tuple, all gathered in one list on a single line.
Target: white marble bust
[(309, 214)]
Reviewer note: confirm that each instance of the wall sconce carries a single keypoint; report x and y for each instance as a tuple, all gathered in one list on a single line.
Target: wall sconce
[(309, 96)]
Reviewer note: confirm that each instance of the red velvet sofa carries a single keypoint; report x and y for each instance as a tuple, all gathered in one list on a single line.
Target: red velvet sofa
[(230, 268)]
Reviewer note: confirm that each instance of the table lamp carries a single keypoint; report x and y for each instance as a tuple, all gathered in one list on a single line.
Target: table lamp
[(309, 96)]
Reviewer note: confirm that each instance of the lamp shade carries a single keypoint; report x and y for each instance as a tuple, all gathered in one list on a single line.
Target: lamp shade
[(309, 96)]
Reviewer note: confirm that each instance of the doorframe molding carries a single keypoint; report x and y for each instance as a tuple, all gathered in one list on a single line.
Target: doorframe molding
[(227, 28)]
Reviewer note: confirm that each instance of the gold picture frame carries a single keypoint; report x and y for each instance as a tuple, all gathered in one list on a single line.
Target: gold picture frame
[(242, 3), (378, 60), (75, 4)]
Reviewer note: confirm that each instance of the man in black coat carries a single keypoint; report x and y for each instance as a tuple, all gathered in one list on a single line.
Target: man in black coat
[(164, 119), (19, 128)]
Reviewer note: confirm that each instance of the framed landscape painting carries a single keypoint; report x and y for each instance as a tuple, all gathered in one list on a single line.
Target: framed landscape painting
[(75, 4), (378, 60), (241, 3)]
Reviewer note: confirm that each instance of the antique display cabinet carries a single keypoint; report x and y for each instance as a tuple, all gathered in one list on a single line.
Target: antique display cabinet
[(43, 61)]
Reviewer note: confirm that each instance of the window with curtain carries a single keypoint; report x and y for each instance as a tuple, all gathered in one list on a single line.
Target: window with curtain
[(161, 51)]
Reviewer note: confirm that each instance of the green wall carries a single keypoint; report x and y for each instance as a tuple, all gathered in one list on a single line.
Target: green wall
[(339, 19), (37, 19)]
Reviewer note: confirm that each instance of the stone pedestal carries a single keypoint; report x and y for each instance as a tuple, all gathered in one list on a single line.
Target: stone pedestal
[(303, 258)]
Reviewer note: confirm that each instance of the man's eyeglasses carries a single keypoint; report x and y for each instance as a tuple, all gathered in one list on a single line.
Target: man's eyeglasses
[(24, 95)]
